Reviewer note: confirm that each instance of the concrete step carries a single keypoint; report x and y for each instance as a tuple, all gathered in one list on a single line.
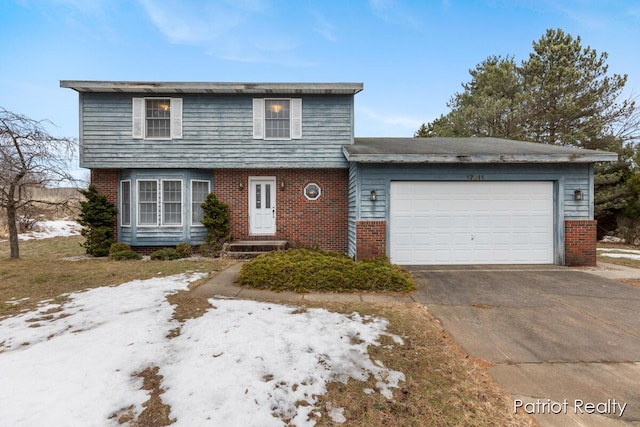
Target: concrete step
[(245, 249)]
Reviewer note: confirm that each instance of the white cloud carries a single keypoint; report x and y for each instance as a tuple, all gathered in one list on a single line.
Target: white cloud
[(187, 23), (243, 31), (392, 12), (324, 27)]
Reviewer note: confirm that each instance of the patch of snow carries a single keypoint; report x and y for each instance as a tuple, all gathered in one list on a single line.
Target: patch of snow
[(626, 251), (14, 301), (336, 414), (78, 258), (242, 363), (612, 239), (54, 228), (620, 253)]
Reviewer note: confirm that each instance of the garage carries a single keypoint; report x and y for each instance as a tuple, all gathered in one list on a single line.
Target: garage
[(439, 201), (471, 222)]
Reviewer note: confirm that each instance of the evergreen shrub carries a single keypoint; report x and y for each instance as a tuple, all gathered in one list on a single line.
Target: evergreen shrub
[(216, 221), (97, 217), (304, 270), (121, 251), (165, 254)]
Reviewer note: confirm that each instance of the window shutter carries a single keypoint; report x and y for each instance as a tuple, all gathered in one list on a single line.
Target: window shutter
[(296, 118), (137, 130), (258, 118), (176, 118)]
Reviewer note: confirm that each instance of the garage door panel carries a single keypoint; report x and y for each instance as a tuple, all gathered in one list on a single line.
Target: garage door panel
[(471, 222)]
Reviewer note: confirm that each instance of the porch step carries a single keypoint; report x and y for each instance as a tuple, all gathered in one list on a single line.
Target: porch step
[(245, 249)]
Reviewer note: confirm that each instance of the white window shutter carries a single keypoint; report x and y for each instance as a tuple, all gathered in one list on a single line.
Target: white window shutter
[(176, 118), (258, 118), (137, 130), (296, 118)]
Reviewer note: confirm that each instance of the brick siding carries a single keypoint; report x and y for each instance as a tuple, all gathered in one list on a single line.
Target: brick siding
[(580, 242), (106, 182), (371, 239), (320, 223)]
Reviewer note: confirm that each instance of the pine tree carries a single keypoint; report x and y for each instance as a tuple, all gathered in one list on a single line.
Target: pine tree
[(562, 95), (570, 98), (216, 221), (97, 217)]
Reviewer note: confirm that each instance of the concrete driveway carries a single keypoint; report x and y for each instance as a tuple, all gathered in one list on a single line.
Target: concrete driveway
[(564, 343)]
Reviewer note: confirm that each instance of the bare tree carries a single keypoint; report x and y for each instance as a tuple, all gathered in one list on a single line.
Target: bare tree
[(29, 157)]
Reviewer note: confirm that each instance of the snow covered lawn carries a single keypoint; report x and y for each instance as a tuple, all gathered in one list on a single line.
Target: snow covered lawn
[(619, 253), (243, 363), (53, 228)]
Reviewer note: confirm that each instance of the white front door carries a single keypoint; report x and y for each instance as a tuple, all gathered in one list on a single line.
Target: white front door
[(262, 206)]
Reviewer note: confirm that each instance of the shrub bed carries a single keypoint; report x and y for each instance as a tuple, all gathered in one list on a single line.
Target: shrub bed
[(304, 270), (122, 251)]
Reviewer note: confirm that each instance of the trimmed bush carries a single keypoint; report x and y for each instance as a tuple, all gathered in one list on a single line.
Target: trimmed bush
[(119, 247), (184, 250), (165, 254), (304, 270), (125, 255), (122, 251)]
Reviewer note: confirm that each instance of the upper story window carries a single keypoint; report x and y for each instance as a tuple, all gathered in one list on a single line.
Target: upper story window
[(157, 118), (279, 118)]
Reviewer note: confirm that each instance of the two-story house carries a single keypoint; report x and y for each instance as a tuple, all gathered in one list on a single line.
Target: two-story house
[(283, 156)]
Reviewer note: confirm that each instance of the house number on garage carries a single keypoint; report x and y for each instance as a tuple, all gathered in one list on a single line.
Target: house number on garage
[(475, 177)]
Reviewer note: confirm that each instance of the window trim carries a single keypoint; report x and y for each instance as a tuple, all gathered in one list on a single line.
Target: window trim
[(306, 188), (122, 209), (192, 223), (158, 213), (161, 203), (259, 119), (139, 118)]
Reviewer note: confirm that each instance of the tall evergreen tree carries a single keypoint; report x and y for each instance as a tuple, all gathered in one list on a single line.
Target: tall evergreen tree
[(563, 95), (570, 99)]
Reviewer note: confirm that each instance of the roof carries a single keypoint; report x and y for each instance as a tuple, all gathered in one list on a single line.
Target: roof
[(212, 87), (466, 150)]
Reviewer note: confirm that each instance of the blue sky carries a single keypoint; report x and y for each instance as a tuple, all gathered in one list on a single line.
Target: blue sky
[(411, 55)]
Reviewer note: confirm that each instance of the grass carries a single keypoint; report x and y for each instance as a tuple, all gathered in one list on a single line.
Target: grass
[(304, 270), (443, 387), (41, 273)]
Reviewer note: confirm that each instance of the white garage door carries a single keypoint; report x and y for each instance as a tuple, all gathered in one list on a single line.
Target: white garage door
[(441, 222)]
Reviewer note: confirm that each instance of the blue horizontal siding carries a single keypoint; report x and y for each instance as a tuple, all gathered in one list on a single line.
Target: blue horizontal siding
[(217, 133), (570, 177)]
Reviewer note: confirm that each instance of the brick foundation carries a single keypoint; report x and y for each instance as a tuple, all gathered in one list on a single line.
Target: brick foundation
[(106, 182), (580, 242), (318, 223), (371, 239)]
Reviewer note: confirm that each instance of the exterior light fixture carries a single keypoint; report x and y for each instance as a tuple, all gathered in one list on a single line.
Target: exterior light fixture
[(373, 196), (282, 185), (577, 195), (240, 185)]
